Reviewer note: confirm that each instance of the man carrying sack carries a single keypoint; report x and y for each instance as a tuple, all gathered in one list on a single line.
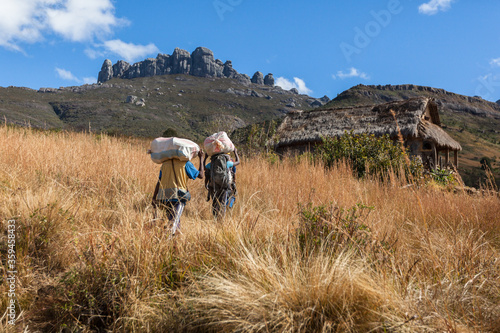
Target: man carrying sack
[(171, 192), (220, 172)]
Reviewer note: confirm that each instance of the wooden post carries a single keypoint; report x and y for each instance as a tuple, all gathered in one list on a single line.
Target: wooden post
[(456, 159), (447, 157), (435, 154)]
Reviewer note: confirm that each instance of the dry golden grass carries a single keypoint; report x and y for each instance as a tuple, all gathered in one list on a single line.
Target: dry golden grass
[(90, 256)]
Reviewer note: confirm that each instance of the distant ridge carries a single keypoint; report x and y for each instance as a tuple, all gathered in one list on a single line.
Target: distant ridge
[(448, 101), (200, 63)]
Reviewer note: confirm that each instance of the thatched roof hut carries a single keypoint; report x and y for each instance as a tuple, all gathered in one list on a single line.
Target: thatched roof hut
[(416, 119)]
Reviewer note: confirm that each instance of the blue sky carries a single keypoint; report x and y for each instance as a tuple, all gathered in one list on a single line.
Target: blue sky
[(321, 47)]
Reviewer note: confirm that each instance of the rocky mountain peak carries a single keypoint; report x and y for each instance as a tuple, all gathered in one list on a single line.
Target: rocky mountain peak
[(199, 63)]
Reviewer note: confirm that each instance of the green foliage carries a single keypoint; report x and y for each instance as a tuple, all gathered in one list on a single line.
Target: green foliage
[(486, 163), (259, 137), (367, 154), (170, 132), (443, 176), (272, 157)]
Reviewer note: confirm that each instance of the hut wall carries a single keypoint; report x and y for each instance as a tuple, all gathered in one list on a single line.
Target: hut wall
[(414, 146), (297, 149)]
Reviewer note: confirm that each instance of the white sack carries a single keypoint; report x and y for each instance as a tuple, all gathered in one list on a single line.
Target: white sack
[(163, 149), (218, 143)]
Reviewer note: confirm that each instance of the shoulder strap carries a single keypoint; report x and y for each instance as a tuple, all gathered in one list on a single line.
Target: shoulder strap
[(212, 173), (173, 169)]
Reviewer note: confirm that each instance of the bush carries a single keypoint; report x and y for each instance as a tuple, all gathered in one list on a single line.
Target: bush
[(368, 154), (256, 138), (443, 176), (486, 163), (169, 132)]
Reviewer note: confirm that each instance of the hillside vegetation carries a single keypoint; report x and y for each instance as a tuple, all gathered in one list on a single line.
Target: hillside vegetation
[(190, 106), (305, 249)]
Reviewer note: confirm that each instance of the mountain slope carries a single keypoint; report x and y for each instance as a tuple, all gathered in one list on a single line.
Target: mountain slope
[(189, 106)]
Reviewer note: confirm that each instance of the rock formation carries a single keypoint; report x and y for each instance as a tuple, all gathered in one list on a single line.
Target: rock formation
[(199, 63), (106, 72), (228, 70), (258, 78), (269, 80), (180, 62), (325, 99), (204, 65)]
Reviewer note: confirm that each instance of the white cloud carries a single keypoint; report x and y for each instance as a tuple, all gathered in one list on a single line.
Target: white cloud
[(94, 54), (66, 75), (82, 20), (353, 72), (89, 80), (28, 21), (298, 84), (129, 51), (495, 62), (434, 6)]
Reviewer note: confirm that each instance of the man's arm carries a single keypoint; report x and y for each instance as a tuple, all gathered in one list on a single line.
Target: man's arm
[(201, 168), (205, 160), (157, 188), (237, 161)]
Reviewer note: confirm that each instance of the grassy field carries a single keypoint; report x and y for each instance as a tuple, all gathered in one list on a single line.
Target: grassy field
[(303, 250)]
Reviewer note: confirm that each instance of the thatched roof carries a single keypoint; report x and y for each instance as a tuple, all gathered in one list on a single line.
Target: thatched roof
[(430, 131), (308, 127)]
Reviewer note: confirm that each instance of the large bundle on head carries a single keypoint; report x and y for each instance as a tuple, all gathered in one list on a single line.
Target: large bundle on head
[(218, 143), (163, 149)]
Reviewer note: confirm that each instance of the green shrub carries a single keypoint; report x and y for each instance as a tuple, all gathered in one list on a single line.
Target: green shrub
[(256, 138), (368, 154), (486, 163), (443, 176), (169, 132)]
